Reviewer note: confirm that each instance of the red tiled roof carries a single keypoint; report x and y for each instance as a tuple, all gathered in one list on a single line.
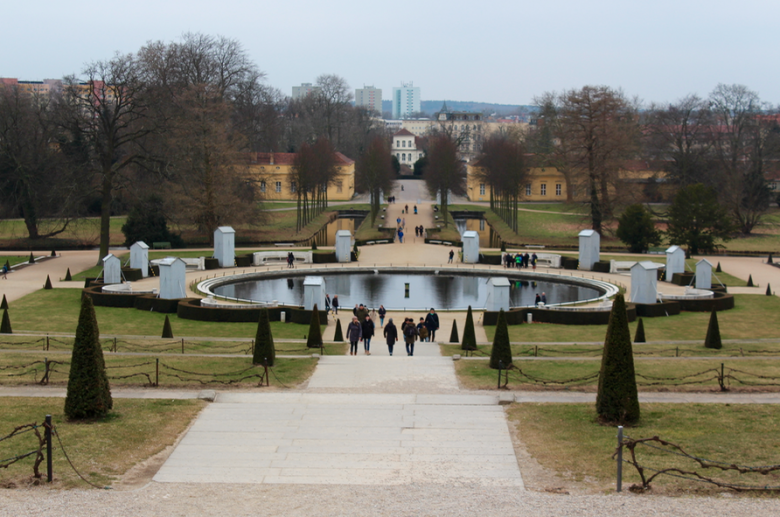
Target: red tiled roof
[(404, 132)]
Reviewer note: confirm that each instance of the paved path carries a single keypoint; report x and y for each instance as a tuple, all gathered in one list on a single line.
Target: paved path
[(32, 278)]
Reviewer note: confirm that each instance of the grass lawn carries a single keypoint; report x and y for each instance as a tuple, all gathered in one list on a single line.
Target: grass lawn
[(57, 310), (185, 371), (477, 374), (753, 317), (17, 259), (566, 439), (102, 450)]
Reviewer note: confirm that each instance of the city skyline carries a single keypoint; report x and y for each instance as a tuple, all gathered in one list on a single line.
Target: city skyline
[(507, 52)]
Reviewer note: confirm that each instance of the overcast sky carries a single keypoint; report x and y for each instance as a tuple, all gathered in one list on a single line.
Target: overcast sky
[(491, 51)]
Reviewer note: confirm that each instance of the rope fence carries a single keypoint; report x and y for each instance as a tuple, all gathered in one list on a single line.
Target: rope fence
[(666, 448)]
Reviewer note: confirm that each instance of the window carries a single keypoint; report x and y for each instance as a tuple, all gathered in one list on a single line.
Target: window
[(528, 189), (338, 186), (543, 189), (293, 186), (324, 187), (262, 186), (403, 157), (278, 186), (557, 189), (481, 189)]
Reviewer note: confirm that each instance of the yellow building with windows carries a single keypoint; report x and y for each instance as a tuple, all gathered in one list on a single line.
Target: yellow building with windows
[(274, 174)]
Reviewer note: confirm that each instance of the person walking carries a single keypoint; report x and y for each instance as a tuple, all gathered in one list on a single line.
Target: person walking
[(400, 235), (422, 330), (526, 259), (452, 256), (391, 335), (537, 300), (415, 209), (327, 303), (382, 311), (432, 324), (367, 327), (361, 313), (335, 304), (354, 333), (5, 272), (406, 209), (534, 258), (544, 298), (410, 335)]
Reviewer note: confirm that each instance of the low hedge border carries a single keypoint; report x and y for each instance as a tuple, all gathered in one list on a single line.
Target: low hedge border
[(132, 274), (493, 260), (151, 303), (101, 299), (655, 310), (602, 266), (191, 309), (551, 315), (683, 279)]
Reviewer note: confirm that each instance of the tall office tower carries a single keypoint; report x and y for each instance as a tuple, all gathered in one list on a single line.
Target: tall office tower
[(406, 100), (303, 90), (369, 97)]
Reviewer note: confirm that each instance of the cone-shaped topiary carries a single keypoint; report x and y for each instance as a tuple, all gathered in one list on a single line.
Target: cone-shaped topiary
[(718, 269), (167, 332), (264, 341), (769, 260), (8, 265), (89, 394), (53, 253), (713, 333), (503, 246), (314, 245), (339, 335), (469, 336), (5, 326), (502, 350), (454, 333), (315, 333), (617, 400), (32, 259), (4, 303), (68, 278), (639, 336), (750, 281), (768, 290), (47, 285)]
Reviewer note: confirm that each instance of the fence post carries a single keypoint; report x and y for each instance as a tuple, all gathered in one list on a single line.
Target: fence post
[(620, 459), (536, 350), (47, 435), (45, 370), (500, 365), (157, 372), (182, 345), (114, 344), (721, 379), (47, 342)]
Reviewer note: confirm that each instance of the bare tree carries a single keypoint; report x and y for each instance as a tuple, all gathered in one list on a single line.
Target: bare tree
[(374, 172), (445, 173), (314, 168), (333, 99), (502, 165)]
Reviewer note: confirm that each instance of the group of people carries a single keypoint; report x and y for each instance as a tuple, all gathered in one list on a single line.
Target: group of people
[(519, 260), (540, 299), (362, 328), (290, 260), (419, 231), (332, 304), (391, 199)]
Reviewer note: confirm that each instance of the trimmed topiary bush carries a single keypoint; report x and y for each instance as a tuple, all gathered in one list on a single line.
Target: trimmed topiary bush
[(768, 290), (4, 303), (503, 247), (454, 332), (264, 341), (47, 285), (315, 334), (339, 335), (469, 337), (769, 260), (8, 265), (639, 336), (5, 326), (750, 281), (167, 332), (89, 394), (68, 278), (32, 259), (718, 269), (53, 253), (314, 245), (713, 333), (617, 401), (502, 350)]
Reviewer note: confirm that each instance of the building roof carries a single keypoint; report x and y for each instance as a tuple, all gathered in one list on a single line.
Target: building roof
[(403, 132), (289, 159)]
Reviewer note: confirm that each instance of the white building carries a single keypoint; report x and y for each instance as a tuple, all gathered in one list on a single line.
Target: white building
[(370, 98), (303, 90), (405, 147), (406, 100)]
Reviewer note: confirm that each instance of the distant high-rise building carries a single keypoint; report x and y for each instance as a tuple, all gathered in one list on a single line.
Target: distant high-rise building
[(369, 97), (303, 90), (406, 100)]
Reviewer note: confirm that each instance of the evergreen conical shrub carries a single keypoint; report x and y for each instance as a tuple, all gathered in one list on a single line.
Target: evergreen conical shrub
[(8, 265), (768, 290), (53, 253), (503, 246), (718, 269), (750, 281), (339, 335), (4, 303), (5, 326), (617, 400), (502, 350), (167, 332), (264, 341), (713, 333), (47, 285), (639, 336), (454, 333), (769, 260), (89, 394), (313, 245), (315, 333), (32, 259), (469, 336), (68, 278)]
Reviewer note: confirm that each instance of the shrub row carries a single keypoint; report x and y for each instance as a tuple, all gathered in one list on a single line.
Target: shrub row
[(493, 260), (602, 266), (570, 263), (190, 309), (683, 279), (519, 316)]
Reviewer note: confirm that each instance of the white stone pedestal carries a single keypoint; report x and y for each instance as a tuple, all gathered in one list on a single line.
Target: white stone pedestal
[(172, 278), (675, 262), (314, 293), (703, 274), (343, 245), (470, 247), (139, 257), (498, 294), (225, 246), (644, 282), (590, 243), (112, 269)]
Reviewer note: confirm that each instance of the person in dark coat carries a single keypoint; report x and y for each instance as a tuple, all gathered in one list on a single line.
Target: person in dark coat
[(538, 299), (391, 335), (354, 333), (368, 332), (410, 335), (382, 311), (432, 324), (335, 304)]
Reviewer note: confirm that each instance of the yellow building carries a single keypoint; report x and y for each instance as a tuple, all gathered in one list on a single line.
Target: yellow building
[(277, 182)]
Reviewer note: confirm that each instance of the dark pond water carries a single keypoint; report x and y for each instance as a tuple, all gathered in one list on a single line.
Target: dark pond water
[(388, 289), (488, 238), (327, 234)]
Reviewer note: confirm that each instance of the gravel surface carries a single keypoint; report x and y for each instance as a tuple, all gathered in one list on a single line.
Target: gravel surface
[(412, 500)]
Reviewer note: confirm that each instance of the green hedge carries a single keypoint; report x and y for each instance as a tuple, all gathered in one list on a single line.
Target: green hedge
[(190, 309), (327, 257), (244, 261), (602, 266), (151, 303), (683, 279), (493, 260), (519, 316), (211, 263), (721, 302), (655, 310), (101, 299), (132, 274), (569, 263)]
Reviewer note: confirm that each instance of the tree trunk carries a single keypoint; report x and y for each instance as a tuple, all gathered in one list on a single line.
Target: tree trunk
[(105, 216)]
